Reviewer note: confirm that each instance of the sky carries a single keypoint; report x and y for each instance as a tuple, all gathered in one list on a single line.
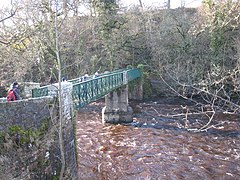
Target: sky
[(146, 3), (161, 3)]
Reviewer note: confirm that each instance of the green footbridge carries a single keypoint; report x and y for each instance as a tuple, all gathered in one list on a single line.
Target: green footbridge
[(93, 88)]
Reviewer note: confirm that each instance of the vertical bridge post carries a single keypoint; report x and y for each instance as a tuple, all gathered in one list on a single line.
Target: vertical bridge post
[(68, 130), (117, 109)]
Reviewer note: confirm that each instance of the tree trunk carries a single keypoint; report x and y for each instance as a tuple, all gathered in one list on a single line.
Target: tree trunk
[(140, 2), (60, 131)]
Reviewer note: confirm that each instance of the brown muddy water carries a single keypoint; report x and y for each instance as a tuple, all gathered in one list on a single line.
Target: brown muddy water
[(159, 144)]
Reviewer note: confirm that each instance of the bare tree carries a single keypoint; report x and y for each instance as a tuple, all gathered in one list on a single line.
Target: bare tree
[(11, 14)]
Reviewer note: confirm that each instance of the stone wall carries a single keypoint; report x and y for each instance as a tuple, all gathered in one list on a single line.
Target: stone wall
[(28, 113), (38, 157)]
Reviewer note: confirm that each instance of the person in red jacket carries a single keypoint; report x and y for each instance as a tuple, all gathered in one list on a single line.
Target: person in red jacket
[(14, 93)]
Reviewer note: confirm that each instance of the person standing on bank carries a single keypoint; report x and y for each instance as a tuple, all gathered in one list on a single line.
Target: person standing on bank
[(14, 93)]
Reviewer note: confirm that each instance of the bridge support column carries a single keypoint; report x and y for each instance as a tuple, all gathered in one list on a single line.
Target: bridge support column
[(116, 108)]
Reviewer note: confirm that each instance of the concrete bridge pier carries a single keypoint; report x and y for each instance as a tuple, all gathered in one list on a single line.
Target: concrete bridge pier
[(117, 109)]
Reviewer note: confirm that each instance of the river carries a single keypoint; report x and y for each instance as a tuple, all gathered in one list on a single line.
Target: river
[(159, 144)]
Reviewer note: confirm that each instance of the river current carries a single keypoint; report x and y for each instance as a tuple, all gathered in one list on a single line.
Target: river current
[(158, 145)]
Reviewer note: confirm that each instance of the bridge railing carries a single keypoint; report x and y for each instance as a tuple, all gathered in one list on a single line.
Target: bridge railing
[(39, 92), (94, 88), (81, 78), (91, 90)]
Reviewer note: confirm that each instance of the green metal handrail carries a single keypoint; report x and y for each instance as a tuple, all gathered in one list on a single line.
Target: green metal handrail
[(78, 80), (91, 90), (39, 92), (94, 88)]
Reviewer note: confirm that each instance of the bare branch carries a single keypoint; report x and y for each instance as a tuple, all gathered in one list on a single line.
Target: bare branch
[(11, 15)]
